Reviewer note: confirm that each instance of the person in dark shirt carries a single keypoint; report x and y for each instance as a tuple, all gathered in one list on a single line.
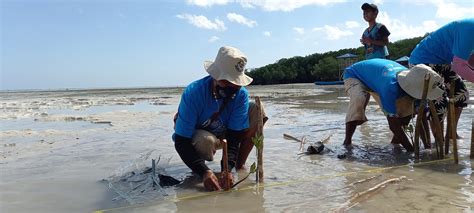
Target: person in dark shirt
[(375, 37)]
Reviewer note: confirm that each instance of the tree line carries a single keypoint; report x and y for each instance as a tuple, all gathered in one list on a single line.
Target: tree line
[(320, 66)]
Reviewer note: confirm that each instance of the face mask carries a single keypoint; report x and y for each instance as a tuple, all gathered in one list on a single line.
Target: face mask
[(226, 92)]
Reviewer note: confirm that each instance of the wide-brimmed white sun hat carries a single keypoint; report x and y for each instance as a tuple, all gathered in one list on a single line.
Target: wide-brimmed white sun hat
[(412, 80), (229, 65)]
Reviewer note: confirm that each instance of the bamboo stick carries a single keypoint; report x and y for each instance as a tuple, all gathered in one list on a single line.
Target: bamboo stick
[(419, 116), (448, 123), (453, 130), (448, 130), (472, 139), (452, 122), (438, 133), (225, 166), (259, 132)]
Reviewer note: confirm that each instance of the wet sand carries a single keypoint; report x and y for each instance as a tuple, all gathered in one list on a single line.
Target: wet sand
[(66, 151)]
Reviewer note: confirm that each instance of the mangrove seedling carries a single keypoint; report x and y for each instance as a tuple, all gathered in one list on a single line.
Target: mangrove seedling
[(253, 169)]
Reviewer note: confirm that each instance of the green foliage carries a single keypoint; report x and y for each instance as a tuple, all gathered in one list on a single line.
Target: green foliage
[(258, 141), (253, 168), (325, 69), (320, 66)]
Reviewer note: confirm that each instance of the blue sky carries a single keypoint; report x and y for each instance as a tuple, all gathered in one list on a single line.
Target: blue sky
[(57, 44)]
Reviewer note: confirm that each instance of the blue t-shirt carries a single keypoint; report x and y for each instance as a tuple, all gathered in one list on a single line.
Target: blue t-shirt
[(453, 39), (379, 75), (198, 105)]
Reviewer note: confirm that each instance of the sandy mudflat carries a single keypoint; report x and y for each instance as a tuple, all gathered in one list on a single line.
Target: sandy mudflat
[(66, 151)]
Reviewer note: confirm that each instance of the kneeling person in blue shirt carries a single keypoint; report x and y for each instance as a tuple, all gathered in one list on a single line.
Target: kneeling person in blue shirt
[(395, 86), (213, 108)]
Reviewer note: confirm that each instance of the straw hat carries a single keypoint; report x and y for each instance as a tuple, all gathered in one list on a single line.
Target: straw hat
[(412, 80), (229, 65)]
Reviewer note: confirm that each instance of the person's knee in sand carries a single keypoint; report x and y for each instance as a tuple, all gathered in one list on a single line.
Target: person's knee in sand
[(207, 144)]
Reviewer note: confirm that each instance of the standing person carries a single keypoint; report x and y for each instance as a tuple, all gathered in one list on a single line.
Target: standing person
[(213, 108), (375, 37), (449, 52), (395, 85)]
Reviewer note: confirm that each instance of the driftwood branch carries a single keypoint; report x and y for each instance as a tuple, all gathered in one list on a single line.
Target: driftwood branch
[(364, 180), (361, 196), (289, 137)]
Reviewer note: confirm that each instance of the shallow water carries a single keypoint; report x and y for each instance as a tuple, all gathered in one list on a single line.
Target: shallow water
[(64, 151)]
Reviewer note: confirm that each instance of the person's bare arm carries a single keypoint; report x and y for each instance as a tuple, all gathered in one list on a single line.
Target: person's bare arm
[(464, 68), (395, 125)]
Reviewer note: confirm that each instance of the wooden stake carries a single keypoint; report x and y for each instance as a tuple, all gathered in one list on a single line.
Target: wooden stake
[(448, 123), (419, 122), (452, 122), (472, 139), (438, 133), (453, 130), (448, 130), (225, 166), (259, 132)]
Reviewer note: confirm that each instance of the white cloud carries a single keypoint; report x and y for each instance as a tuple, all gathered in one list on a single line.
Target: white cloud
[(317, 29), (267, 34), (450, 10), (352, 24), (203, 22), (247, 4), (213, 39), (234, 17), (299, 30), (378, 2), (445, 9), (208, 3), (288, 5), (401, 30), (334, 33), (268, 5)]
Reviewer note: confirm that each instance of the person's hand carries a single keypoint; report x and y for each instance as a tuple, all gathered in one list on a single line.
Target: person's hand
[(366, 40), (210, 181), (226, 176)]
